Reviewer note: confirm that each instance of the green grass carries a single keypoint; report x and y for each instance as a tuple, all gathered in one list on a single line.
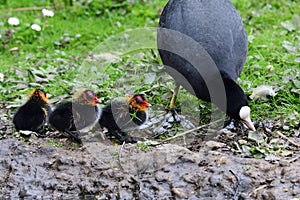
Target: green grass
[(38, 50), (273, 29), (264, 22)]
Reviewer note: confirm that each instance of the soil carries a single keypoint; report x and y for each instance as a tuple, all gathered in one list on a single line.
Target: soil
[(57, 168)]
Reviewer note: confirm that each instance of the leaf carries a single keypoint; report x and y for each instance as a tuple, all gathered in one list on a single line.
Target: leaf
[(21, 86), (289, 47), (246, 150), (150, 78), (286, 153), (288, 25), (296, 83), (150, 143), (296, 91), (293, 118), (256, 137), (35, 85), (272, 158), (14, 49), (261, 92)]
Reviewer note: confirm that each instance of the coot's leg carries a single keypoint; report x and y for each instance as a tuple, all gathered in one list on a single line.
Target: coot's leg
[(42, 132), (172, 108), (172, 117), (74, 136), (41, 135), (174, 97), (121, 138), (235, 125)]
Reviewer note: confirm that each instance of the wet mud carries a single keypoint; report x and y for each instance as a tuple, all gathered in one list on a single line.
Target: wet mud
[(39, 168), (97, 171)]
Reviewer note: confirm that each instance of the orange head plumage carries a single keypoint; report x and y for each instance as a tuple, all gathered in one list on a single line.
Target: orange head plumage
[(138, 102), (38, 95)]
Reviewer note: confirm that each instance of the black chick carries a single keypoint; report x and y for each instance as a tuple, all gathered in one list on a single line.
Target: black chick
[(123, 115), (204, 45), (33, 114), (79, 115)]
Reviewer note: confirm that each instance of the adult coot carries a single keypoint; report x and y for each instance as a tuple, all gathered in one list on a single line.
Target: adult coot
[(204, 45)]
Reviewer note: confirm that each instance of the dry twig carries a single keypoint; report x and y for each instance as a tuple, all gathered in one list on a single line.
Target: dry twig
[(119, 156), (288, 139), (192, 130), (257, 189)]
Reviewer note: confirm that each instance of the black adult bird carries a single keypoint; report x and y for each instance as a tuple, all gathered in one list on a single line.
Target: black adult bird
[(33, 114), (205, 43), (124, 114), (79, 115)]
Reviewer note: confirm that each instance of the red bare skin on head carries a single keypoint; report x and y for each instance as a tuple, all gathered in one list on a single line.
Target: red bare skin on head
[(139, 102), (87, 97)]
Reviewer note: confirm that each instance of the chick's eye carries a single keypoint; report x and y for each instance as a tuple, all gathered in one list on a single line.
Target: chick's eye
[(139, 99), (90, 94)]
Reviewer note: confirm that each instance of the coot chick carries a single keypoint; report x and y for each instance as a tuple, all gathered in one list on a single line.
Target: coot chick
[(124, 114), (81, 114), (32, 116)]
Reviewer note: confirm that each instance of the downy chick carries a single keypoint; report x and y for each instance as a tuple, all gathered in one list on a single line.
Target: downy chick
[(32, 116), (81, 114), (123, 115)]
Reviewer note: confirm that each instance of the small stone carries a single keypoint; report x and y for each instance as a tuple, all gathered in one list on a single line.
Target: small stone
[(167, 125), (22, 193), (242, 142), (214, 144), (286, 128), (180, 193), (160, 131), (63, 176), (222, 161)]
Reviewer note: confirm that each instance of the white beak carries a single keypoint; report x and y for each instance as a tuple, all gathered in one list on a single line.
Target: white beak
[(245, 116)]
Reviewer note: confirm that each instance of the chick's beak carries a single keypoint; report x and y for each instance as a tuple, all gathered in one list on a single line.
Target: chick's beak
[(147, 104), (97, 100)]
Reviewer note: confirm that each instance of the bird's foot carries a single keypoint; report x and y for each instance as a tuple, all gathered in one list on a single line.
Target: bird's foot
[(38, 133), (127, 139), (236, 125), (175, 117), (41, 135), (25, 134), (171, 119), (121, 138), (74, 136)]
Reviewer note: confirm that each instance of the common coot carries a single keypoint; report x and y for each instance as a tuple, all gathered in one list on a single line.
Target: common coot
[(203, 45)]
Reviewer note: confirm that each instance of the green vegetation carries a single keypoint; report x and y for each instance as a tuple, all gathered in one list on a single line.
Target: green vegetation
[(50, 58), (273, 29), (53, 143)]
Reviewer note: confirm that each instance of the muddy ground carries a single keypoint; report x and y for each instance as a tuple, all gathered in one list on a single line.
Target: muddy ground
[(39, 168)]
